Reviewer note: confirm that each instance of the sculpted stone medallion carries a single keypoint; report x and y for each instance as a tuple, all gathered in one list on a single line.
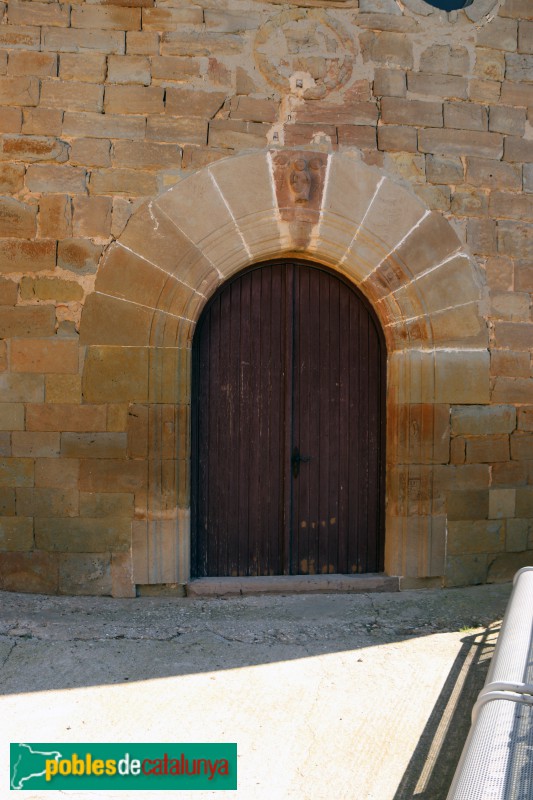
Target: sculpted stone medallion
[(305, 42)]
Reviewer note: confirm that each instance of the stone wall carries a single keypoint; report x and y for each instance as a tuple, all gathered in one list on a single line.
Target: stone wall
[(114, 120)]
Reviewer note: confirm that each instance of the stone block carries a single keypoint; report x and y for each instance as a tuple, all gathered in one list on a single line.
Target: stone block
[(513, 335), (35, 572), (524, 502), (17, 220), (521, 446), (481, 420), (468, 505), (7, 502), (441, 169), (81, 40), (389, 82), (112, 475), (76, 96), (487, 449), (518, 149), (100, 126), (19, 91), (128, 69), (515, 239), (28, 62), (50, 178), (22, 12), (501, 34), (517, 9), (499, 273), (11, 417), (117, 416), (92, 217), (16, 533), (486, 172), (388, 48), (50, 289), (181, 130), (481, 236), (19, 36), (82, 534), (65, 417), (528, 177), (201, 43), (100, 504), (21, 388), (63, 388), (47, 502), (466, 570), (445, 59), (516, 94), (78, 255), (525, 418), (122, 575), (484, 91), (90, 67), (479, 144), (11, 178), (168, 69), (133, 100), (237, 134), (90, 153), (55, 216), (470, 203), (16, 472), (116, 374), (503, 566), (511, 205), (501, 503), (189, 103), (397, 138), (84, 574), (57, 473), (508, 120), (475, 536), (490, 64), (44, 355), (93, 445), (11, 120), (106, 18), (400, 111), (512, 306), (509, 473), (518, 67), (145, 155), (131, 182), (517, 535), (29, 444), (447, 87), (513, 390), (35, 148), (465, 116), (27, 321), (362, 136), (525, 37), (510, 364)]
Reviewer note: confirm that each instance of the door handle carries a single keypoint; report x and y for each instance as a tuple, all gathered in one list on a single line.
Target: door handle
[(296, 460)]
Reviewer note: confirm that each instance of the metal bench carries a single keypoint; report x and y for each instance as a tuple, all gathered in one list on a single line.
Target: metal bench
[(497, 758)]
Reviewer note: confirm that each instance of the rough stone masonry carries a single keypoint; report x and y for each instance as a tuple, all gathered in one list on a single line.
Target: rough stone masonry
[(141, 144)]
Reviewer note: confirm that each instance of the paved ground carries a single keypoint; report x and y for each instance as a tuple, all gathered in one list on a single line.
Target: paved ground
[(345, 697)]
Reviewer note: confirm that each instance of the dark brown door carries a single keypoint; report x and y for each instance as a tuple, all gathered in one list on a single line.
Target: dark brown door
[(288, 427)]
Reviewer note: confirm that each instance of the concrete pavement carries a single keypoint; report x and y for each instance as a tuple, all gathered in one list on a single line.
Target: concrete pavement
[(352, 697)]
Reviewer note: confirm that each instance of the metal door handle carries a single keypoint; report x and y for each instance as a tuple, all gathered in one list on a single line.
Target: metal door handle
[(296, 460)]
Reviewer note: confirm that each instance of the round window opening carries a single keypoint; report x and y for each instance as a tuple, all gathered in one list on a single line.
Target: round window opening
[(449, 5)]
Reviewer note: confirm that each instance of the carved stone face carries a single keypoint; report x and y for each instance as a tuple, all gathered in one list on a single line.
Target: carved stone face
[(300, 181)]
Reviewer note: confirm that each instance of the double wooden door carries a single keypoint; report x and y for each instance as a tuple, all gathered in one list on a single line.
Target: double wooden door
[(287, 427)]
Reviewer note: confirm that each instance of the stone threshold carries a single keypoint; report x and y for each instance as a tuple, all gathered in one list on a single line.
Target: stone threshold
[(293, 584)]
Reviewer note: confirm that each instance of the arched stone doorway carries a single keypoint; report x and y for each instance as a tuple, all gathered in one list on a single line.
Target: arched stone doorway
[(334, 210)]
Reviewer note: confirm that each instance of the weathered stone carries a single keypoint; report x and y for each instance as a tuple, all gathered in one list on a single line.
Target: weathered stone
[(515, 239), (486, 172), (481, 236), (29, 572), (108, 475), (131, 182), (128, 69), (506, 119), (16, 533), (78, 255), (518, 149), (465, 143), (47, 502), (462, 377), (518, 67), (17, 220), (21, 388), (56, 178), (513, 390), (7, 502), (168, 69), (475, 536), (28, 62), (400, 138), (525, 37), (99, 504), (75, 96), (447, 87), (510, 363), (90, 67), (466, 569), (465, 116), (93, 445), (44, 355), (79, 40), (16, 472), (445, 59), (91, 217), (20, 91), (524, 502), (521, 445), (411, 112), (525, 418), (116, 374), (501, 503), (85, 574), (500, 34), (63, 388), (11, 417), (65, 417), (386, 47), (512, 306), (490, 64), (103, 125), (517, 534), (487, 449), (90, 152), (82, 534), (133, 100), (479, 420), (145, 155), (390, 82), (28, 444), (468, 504), (440, 169), (27, 321), (11, 178), (505, 565)]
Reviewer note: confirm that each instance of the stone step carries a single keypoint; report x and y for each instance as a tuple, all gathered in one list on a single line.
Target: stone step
[(293, 584)]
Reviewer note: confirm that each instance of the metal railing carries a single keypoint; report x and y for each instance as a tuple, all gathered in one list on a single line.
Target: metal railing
[(497, 758)]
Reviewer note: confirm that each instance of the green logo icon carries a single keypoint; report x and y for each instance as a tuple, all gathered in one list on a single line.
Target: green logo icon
[(123, 766)]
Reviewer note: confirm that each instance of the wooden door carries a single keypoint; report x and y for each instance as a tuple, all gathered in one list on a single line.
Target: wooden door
[(288, 427)]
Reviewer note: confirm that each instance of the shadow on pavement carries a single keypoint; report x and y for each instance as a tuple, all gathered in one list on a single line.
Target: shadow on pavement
[(432, 765)]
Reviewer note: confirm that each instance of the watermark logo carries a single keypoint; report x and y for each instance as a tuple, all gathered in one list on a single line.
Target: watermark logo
[(123, 766)]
